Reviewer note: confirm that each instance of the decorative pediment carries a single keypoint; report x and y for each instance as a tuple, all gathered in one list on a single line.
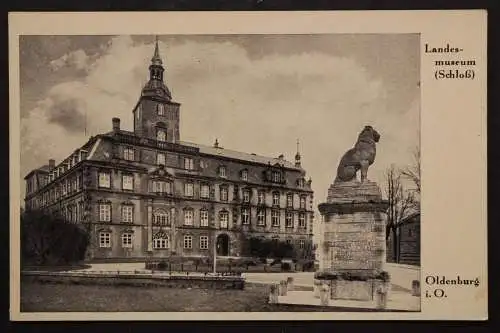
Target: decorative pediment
[(160, 235), (160, 172)]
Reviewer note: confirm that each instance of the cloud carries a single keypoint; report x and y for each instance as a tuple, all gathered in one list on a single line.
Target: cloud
[(255, 105), (78, 59)]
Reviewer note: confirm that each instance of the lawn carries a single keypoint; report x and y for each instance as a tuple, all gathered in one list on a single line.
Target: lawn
[(37, 297)]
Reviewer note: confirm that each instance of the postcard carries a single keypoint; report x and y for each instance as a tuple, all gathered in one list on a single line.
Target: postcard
[(248, 165)]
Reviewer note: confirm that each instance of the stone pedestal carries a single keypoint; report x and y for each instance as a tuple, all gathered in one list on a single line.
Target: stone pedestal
[(354, 240)]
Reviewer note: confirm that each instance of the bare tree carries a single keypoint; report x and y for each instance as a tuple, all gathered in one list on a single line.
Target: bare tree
[(412, 172), (400, 201)]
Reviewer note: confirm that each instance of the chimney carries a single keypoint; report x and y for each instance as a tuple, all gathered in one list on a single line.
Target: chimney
[(116, 124), (52, 164)]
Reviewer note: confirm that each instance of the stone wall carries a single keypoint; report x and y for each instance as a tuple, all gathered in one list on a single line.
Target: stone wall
[(136, 279)]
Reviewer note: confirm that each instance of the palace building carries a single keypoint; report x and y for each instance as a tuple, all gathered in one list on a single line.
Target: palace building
[(145, 193)]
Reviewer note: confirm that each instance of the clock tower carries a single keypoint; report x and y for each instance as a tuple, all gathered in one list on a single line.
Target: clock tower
[(156, 115)]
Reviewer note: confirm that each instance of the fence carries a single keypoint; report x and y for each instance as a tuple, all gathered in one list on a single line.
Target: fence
[(223, 267)]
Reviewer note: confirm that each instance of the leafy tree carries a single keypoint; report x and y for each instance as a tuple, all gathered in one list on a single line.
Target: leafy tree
[(50, 239)]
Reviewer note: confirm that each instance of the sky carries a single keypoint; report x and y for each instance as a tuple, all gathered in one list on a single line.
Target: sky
[(255, 93)]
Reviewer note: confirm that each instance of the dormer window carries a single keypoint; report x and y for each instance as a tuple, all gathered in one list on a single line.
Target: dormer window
[(300, 182), (276, 177), (161, 135), (222, 171), (83, 155), (128, 154), (160, 108), (244, 175)]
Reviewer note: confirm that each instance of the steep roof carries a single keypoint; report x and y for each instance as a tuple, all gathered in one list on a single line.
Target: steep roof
[(43, 168), (413, 217), (210, 150)]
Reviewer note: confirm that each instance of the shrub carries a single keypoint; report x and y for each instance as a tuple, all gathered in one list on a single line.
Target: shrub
[(286, 267), (162, 265)]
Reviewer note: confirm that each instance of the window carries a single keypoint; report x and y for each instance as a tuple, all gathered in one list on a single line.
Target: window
[(161, 186), (161, 135), (302, 202), (127, 213), (223, 193), (128, 154), (188, 242), (104, 179), (302, 244), (224, 219), (261, 217), (244, 175), (205, 191), (188, 163), (104, 212), (162, 218), (160, 108), (276, 199), (160, 159), (204, 218), (246, 195), (276, 177), (261, 198), (161, 241), (188, 217), (289, 200), (128, 182), (188, 189), (83, 155), (275, 218), (64, 188), (127, 240), (302, 220), (104, 239), (203, 242), (300, 182), (410, 232), (245, 216), (222, 171), (289, 220), (289, 241)]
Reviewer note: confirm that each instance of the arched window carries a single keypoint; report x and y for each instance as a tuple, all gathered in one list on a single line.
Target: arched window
[(161, 241), (161, 135), (161, 217)]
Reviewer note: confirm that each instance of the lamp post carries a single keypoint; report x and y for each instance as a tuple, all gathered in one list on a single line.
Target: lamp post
[(215, 254)]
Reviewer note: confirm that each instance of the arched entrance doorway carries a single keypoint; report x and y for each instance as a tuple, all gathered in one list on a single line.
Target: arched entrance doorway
[(223, 245)]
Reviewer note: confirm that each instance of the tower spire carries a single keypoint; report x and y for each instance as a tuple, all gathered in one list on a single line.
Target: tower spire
[(156, 60), (297, 156)]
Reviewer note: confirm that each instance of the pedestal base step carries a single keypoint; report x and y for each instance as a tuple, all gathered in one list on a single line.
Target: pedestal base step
[(397, 301)]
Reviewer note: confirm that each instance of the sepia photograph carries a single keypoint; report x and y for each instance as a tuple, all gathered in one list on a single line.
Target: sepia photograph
[(190, 169), (237, 169)]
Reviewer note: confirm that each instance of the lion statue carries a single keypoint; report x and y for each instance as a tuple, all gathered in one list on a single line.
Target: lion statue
[(360, 157)]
